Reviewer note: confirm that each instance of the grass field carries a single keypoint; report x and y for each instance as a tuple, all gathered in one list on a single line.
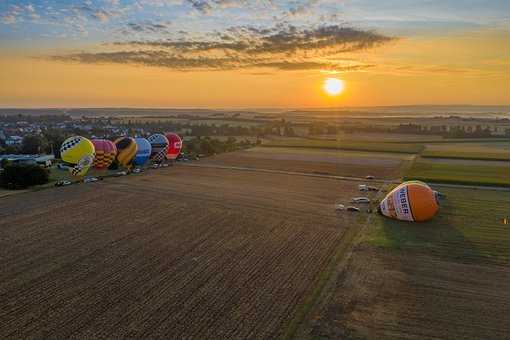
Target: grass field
[(469, 228), (480, 150), (410, 148), (447, 278), (453, 171)]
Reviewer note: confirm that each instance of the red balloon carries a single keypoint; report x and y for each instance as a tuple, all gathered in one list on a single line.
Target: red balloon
[(105, 153), (174, 145)]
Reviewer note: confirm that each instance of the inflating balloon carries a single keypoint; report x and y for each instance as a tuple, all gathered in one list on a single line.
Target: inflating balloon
[(174, 145), (126, 150), (410, 201), (78, 153), (105, 153), (143, 153), (159, 144)]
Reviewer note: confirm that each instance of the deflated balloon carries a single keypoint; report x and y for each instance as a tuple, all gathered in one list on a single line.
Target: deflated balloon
[(159, 144), (143, 152), (126, 150), (105, 153), (411, 201), (174, 145), (78, 153)]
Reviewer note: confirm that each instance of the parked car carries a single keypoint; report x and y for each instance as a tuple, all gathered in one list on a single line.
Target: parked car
[(90, 180), (363, 187), (62, 183), (137, 170), (370, 177), (372, 188), (360, 200), (339, 207), (353, 209)]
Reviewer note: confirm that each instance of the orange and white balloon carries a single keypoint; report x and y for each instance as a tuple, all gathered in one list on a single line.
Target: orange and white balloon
[(412, 201)]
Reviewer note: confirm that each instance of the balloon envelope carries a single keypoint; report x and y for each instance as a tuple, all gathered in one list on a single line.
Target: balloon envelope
[(410, 201), (78, 152), (159, 144), (144, 151), (126, 150), (174, 145), (105, 153)]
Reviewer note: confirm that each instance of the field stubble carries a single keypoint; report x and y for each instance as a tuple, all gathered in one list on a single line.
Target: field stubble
[(184, 252)]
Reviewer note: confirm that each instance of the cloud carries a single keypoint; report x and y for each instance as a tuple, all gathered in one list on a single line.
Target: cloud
[(19, 13), (160, 58), (147, 27), (276, 40), (282, 47), (8, 19), (97, 13), (207, 6), (302, 9)]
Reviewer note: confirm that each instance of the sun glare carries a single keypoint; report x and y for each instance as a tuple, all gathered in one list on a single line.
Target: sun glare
[(333, 86)]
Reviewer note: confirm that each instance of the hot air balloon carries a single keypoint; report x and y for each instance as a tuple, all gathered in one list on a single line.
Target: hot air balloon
[(126, 150), (411, 201), (174, 145), (78, 153), (143, 153), (159, 144), (105, 153)]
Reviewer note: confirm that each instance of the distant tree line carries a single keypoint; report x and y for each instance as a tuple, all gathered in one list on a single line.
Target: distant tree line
[(209, 146), (452, 131)]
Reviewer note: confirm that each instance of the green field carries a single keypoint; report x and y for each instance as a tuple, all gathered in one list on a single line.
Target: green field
[(482, 150), (469, 227), (346, 145), (460, 172)]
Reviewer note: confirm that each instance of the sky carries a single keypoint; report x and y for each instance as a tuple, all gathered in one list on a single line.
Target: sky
[(253, 53)]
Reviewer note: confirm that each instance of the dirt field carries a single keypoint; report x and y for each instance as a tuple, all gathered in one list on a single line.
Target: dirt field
[(178, 253), (321, 161), (448, 278)]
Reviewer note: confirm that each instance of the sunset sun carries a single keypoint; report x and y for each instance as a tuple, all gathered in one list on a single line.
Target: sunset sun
[(333, 86)]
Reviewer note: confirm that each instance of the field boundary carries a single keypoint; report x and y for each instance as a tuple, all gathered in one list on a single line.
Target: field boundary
[(345, 148), (468, 158), (329, 276), (460, 183), (294, 173), (342, 253)]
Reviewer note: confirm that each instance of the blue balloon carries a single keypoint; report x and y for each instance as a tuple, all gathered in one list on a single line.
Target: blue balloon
[(144, 151)]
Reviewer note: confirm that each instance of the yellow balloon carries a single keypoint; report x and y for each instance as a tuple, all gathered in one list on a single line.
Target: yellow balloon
[(79, 152)]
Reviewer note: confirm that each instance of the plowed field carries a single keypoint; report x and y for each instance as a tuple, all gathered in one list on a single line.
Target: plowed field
[(319, 161), (178, 253)]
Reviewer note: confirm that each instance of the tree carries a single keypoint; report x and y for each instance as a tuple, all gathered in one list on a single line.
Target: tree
[(31, 145), (23, 176)]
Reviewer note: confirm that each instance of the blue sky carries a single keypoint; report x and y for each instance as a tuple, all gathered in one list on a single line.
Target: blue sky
[(55, 21)]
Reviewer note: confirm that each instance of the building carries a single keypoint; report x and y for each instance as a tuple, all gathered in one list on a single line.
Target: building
[(13, 140), (43, 160)]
